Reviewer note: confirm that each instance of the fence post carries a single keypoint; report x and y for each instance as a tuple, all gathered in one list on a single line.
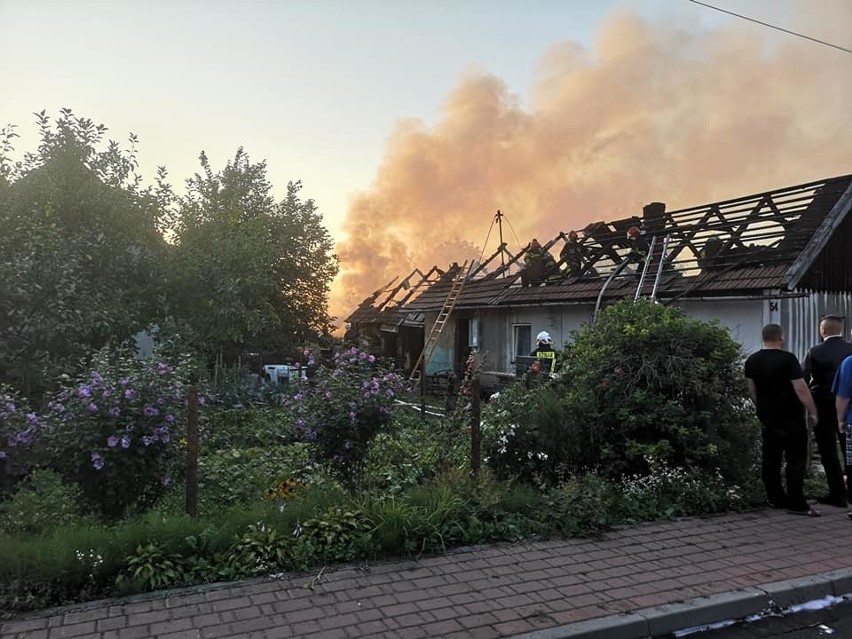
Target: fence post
[(473, 364), (192, 452), (475, 452), (423, 393)]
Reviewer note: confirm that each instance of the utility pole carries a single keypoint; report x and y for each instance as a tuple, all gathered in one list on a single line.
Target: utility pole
[(499, 219)]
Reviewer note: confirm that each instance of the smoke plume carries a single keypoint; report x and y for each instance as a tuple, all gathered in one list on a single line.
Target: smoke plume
[(651, 112)]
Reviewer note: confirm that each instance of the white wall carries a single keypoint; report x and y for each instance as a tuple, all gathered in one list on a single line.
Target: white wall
[(743, 318)]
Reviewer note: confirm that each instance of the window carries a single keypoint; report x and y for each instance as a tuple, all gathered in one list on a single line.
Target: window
[(473, 333), (522, 340)]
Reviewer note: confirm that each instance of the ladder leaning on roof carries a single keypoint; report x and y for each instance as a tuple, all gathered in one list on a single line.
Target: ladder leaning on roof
[(440, 322), (645, 268)]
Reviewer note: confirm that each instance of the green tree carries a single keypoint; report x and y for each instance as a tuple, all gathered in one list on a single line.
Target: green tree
[(79, 251), (248, 273)]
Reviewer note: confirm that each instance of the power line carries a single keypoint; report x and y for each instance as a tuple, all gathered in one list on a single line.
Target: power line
[(776, 27)]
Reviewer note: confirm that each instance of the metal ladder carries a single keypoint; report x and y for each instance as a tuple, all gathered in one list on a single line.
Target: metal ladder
[(440, 323), (659, 275), (617, 271)]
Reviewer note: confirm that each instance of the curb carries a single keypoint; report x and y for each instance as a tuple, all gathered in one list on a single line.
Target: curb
[(661, 621)]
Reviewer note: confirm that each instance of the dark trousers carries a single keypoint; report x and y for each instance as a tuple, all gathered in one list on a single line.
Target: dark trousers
[(847, 467), (827, 438), (787, 441)]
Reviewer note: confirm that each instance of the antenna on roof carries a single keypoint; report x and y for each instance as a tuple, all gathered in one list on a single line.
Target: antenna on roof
[(499, 219)]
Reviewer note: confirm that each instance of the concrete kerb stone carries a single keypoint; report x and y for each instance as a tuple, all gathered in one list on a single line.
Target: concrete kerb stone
[(737, 604), (791, 592), (628, 626), (841, 581)]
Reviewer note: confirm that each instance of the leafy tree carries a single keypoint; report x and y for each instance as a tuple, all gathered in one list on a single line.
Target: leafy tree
[(248, 273), (89, 256), (79, 251)]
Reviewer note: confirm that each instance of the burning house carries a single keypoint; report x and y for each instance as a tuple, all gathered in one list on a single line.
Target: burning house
[(780, 256)]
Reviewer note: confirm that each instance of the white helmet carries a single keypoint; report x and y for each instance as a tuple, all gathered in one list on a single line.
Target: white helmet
[(543, 338)]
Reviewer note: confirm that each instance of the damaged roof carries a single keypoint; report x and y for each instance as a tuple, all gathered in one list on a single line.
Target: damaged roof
[(771, 240)]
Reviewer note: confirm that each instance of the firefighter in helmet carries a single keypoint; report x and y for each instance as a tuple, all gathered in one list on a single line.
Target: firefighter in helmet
[(544, 352)]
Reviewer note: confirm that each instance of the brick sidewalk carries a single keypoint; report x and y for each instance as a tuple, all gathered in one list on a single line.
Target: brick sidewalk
[(483, 592)]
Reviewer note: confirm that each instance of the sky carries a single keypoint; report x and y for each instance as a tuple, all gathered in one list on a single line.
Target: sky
[(409, 123)]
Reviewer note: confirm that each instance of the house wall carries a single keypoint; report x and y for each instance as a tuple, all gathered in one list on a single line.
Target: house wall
[(442, 356), (743, 317), (800, 317)]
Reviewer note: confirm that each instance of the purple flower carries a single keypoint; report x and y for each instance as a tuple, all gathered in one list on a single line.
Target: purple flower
[(115, 411), (92, 407), (125, 382), (112, 441), (170, 419), (150, 411), (2, 455), (106, 394), (371, 358), (32, 419), (97, 461), (10, 407), (130, 394), (125, 441), (389, 393), (162, 368), (84, 391), (147, 440), (96, 377)]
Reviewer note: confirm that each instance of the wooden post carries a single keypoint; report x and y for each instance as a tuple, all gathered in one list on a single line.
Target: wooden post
[(192, 452), (423, 393), (475, 411)]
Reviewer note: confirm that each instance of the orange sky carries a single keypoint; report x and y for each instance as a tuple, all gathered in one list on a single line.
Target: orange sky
[(651, 112)]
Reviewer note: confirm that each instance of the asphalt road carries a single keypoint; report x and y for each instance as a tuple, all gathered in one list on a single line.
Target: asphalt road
[(833, 622)]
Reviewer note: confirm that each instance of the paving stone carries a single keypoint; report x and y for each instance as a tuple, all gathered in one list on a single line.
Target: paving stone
[(490, 591)]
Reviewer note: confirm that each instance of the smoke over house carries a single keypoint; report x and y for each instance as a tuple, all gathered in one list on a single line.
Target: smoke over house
[(651, 112)]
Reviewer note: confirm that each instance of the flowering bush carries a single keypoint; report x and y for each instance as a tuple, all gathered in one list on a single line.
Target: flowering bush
[(19, 428), (526, 435), (343, 407), (668, 491), (113, 431)]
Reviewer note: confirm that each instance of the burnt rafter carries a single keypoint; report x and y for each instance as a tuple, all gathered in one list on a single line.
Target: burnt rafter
[(761, 241)]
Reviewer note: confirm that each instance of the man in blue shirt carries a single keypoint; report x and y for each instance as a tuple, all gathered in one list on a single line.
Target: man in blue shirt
[(842, 390)]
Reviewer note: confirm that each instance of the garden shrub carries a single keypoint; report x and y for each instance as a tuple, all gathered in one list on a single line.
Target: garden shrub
[(115, 431), (667, 492), (42, 503), (19, 429), (642, 382), (250, 426), (411, 452), (343, 407), (235, 476)]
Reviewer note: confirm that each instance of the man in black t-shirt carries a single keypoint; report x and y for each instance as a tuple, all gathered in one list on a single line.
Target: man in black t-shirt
[(779, 392)]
